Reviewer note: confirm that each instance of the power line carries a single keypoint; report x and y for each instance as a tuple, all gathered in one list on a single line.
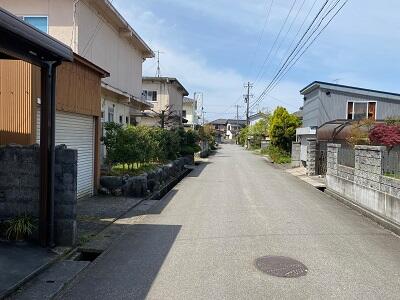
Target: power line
[(284, 37), (311, 43), (255, 53), (288, 64), (276, 40)]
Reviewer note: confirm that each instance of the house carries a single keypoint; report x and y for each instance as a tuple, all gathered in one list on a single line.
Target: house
[(87, 26), (189, 112), (233, 127), (166, 96), (253, 119), (332, 103), (227, 128)]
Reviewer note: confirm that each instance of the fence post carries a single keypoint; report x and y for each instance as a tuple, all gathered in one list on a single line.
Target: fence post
[(368, 165), (311, 156), (332, 159), (295, 154)]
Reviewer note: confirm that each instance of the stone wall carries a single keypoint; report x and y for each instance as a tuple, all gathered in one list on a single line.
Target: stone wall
[(147, 183), (365, 185), (20, 187), (311, 157), (296, 148)]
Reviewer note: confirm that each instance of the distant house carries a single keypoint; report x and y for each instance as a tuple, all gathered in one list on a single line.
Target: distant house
[(189, 112), (327, 102), (233, 127), (166, 95), (227, 128), (253, 119)]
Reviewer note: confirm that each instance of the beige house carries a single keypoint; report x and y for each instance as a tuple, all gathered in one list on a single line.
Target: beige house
[(166, 94), (98, 33), (189, 112)]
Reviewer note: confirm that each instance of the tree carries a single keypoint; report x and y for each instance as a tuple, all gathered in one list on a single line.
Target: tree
[(259, 131), (282, 128), (384, 134)]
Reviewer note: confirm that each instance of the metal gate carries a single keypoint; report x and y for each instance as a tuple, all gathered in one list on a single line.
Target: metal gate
[(321, 158)]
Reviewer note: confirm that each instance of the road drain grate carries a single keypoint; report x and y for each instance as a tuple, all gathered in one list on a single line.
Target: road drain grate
[(281, 266)]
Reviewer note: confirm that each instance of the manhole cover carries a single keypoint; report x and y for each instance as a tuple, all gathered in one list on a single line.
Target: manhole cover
[(281, 266)]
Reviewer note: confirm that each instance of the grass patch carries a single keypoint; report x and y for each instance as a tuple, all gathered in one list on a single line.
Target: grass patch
[(391, 175), (277, 155), (135, 170)]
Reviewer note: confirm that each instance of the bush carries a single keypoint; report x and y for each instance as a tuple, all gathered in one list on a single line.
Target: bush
[(277, 155), (129, 147), (20, 227), (386, 135), (282, 128)]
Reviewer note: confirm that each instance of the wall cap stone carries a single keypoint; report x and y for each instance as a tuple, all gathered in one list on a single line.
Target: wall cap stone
[(312, 139), (370, 148), (331, 145)]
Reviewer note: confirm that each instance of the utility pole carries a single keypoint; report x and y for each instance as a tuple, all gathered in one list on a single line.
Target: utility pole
[(237, 123), (162, 119), (158, 74), (247, 100)]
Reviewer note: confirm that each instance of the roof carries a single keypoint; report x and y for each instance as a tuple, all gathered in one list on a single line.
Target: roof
[(234, 121), (91, 65), (188, 100), (171, 80), (23, 41), (350, 89), (219, 122), (106, 7), (259, 114)]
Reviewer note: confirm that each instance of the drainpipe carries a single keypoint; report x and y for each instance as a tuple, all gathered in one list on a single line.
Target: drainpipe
[(47, 153)]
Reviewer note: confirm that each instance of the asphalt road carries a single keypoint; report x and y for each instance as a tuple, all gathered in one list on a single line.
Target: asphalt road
[(203, 238)]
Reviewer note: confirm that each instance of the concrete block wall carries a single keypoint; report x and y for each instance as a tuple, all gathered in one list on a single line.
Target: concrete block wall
[(296, 148), (311, 157), (365, 184), (20, 187)]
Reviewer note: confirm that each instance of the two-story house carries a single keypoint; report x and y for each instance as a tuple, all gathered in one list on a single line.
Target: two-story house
[(97, 32), (166, 95), (189, 112), (233, 127), (327, 102)]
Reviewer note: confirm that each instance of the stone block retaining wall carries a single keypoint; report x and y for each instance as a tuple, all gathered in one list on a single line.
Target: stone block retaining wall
[(365, 184), (140, 186), (20, 187)]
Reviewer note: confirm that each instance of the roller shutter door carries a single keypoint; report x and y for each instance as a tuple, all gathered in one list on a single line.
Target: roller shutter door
[(77, 132)]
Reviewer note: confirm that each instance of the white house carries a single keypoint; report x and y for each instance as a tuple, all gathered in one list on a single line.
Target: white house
[(189, 112)]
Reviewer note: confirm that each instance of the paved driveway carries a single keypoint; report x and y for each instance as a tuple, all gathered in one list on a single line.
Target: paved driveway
[(202, 241)]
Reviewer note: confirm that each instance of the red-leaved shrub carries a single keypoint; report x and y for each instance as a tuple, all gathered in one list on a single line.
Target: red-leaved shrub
[(386, 135)]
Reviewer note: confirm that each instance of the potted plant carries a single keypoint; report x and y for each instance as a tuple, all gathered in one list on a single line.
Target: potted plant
[(20, 228)]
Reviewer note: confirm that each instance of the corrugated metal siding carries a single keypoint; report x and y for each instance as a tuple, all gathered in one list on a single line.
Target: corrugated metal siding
[(16, 116), (77, 132), (325, 108)]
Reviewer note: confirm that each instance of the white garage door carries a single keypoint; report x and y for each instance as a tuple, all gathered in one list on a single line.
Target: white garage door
[(77, 132)]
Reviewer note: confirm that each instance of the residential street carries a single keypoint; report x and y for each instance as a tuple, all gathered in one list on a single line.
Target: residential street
[(202, 240)]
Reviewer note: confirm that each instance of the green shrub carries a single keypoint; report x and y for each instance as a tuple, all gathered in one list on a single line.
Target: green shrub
[(277, 155), (282, 128), (20, 227)]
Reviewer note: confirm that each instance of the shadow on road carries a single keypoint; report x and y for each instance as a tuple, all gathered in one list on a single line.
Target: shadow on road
[(197, 171)]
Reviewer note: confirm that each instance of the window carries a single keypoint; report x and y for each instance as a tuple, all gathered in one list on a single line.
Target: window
[(40, 23), (127, 120), (184, 113), (102, 116), (149, 95), (120, 119), (111, 114), (361, 110)]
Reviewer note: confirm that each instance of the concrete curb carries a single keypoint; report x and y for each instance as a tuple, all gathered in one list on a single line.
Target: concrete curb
[(389, 225)]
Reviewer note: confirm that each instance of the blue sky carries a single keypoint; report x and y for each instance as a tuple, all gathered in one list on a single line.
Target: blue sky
[(214, 47)]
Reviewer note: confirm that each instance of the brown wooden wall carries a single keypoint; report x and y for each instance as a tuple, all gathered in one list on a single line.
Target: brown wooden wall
[(16, 102), (78, 91)]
